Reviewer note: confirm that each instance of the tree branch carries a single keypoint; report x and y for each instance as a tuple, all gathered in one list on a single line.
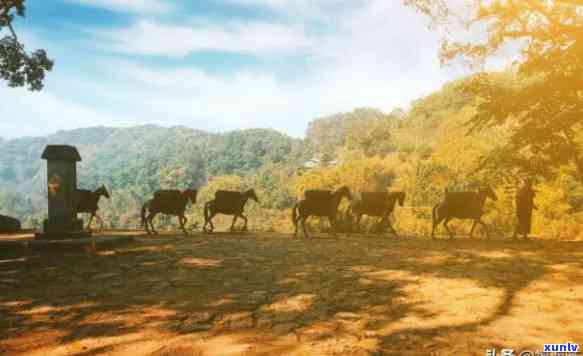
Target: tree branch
[(9, 24), (6, 16)]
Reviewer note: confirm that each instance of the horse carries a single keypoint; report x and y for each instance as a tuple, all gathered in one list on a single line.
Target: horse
[(461, 205), (378, 204), (88, 202), (319, 203), (228, 202), (170, 202)]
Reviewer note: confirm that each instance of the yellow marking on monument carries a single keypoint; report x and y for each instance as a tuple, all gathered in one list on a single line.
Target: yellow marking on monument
[(54, 184)]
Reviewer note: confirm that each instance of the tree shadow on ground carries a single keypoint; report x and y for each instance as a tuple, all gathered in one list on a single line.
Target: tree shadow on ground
[(203, 294)]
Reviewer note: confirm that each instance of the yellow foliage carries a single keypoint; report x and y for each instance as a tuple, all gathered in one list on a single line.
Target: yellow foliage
[(357, 172)]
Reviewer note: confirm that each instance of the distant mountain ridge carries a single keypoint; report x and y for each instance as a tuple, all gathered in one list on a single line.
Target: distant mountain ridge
[(133, 162), (126, 156)]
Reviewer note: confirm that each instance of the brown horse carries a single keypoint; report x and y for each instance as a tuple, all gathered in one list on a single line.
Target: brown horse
[(377, 204), (88, 202), (228, 203), (461, 205), (171, 202), (319, 203)]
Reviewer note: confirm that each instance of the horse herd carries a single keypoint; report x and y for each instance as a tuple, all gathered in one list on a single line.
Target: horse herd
[(321, 203)]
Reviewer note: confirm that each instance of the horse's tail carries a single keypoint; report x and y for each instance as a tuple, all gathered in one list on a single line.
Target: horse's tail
[(143, 212), (295, 213)]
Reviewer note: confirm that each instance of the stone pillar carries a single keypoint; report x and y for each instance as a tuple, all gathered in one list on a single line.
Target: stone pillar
[(62, 193)]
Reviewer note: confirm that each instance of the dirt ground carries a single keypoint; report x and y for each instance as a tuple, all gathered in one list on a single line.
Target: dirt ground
[(269, 294)]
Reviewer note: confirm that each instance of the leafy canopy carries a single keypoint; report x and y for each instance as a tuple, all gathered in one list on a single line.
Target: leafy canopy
[(544, 107), (17, 67)]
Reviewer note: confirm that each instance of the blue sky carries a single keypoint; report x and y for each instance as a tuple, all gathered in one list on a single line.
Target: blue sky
[(220, 65)]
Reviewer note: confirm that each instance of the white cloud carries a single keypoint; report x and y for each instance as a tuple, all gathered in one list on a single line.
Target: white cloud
[(191, 97), (314, 11), (131, 6), (378, 54), (150, 38)]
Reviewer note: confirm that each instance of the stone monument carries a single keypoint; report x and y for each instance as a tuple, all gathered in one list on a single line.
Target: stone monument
[(62, 194)]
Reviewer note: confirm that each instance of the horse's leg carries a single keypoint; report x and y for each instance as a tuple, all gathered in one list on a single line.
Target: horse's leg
[(100, 220), (485, 228), (245, 219), (148, 228), (390, 226), (332, 220), (233, 223), (303, 221), (152, 224), (381, 225), (151, 220), (358, 218), (211, 222), (473, 227), (147, 225), (296, 217), (90, 220), (182, 220), (204, 229), (447, 227), (436, 222)]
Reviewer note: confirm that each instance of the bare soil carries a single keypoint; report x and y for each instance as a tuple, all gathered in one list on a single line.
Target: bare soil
[(269, 294)]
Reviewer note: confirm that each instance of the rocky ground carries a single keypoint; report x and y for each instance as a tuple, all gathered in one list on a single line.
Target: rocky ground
[(269, 294)]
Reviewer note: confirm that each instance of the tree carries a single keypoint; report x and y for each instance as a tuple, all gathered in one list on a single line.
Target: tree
[(16, 66), (545, 103), (372, 139)]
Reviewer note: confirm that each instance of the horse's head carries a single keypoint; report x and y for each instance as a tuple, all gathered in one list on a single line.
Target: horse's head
[(400, 197), (191, 195), (344, 192), (103, 191), (251, 195), (488, 192)]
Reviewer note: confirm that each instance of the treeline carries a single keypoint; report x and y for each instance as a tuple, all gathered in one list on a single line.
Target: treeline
[(135, 162), (421, 151)]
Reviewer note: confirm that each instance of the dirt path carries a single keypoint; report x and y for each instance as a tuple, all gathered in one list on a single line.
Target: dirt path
[(271, 295)]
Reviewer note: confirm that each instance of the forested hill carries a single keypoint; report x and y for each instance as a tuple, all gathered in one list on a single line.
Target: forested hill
[(137, 156), (422, 151), (133, 162), (140, 159), (121, 157)]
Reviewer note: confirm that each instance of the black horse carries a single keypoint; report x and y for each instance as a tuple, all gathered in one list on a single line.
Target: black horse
[(88, 202), (461, 205), (319, 203), (171, 202), (228, 203), (377, 204)]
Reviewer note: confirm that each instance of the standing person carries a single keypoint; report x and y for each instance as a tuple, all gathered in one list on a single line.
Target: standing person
[(524, 205)]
